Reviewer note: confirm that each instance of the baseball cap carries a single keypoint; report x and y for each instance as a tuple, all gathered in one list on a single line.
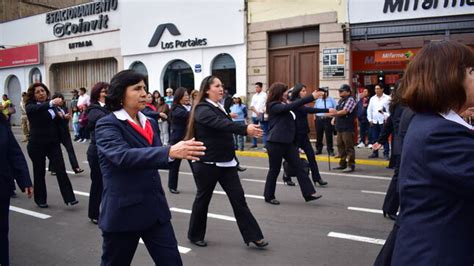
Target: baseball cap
[(345, 87)]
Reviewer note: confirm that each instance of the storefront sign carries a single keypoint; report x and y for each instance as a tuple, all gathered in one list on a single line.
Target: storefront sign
[(334, 62), (21, 56), (385, 10), (197, 68), (69, 28), (74, 45), (394, 55), (364, 61), (173, 30)]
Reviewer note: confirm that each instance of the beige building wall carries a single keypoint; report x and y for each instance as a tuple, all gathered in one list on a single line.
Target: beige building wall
[(270, 16), (15, 9)]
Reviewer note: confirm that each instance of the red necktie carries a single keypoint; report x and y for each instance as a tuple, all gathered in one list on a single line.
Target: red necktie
[(147, 133)]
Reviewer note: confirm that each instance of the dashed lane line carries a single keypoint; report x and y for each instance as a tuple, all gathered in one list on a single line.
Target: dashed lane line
[(182, 250), (373, 192), (365, 210), (210, 215), (246, 195), (357, 238), (30, 213)]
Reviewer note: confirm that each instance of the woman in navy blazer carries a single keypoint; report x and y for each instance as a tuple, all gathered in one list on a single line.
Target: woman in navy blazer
[(130, 153), (179, 116), (437, 173), (281, 140)]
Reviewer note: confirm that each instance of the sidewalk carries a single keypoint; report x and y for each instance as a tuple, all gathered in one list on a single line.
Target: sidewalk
[(361, 155)]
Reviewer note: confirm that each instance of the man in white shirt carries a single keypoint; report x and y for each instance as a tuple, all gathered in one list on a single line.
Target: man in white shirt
[(83, 99), (377, 113), (257, 106)]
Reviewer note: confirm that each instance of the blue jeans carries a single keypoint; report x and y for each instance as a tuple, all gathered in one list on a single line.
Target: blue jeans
[(76, 127), (264, 126), (364, 130), (376, 130), (239, 139)]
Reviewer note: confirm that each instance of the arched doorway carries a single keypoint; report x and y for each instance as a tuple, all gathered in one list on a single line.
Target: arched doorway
[(35, 75), (178, 74), (223, 67), (14, 94), (140, 68)]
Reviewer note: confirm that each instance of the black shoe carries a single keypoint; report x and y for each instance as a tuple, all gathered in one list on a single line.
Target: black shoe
[(94, 221), (273, 202), (386, 157), (71, 203), (331, 153), (174, 191), (289, 183), (253, 146), (311, 197), (260, 243), (349, 170), (199, 243), (390, 216), (53, 173), (78, 170), (241, 169), (321, 182), (373, 156), (318, 152), (339, 168), (42, 205)]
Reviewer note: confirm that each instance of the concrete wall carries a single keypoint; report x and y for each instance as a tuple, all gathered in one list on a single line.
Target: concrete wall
[(15, 9)]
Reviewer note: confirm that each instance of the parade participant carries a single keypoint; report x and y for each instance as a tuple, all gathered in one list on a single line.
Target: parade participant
[(210, 124), (45, 142), (95, 111), (130, 153), (436, 172), (281, 142)]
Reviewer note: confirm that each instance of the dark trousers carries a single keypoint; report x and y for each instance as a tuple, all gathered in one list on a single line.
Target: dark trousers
[(38, 154), (83, 133), (392, 198), (4, 212), (375, 131), (174, 173), (95, 195), (323, 126), (276, 152), (363, 130), (206, 177), (67, 143), (345, 146), (384, 258), (305, 144), (119, 247)]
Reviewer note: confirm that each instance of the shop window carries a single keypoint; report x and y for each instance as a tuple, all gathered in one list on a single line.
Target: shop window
[(300, 37), (178, 74), (223, 67), (140, 68), (35, 75)]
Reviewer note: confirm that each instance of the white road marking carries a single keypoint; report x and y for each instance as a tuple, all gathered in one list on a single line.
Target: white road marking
[(81, 193), (182, 250), (210, 215), (373, 192), (365, 210), (246, 195), (259, 181), (30, 213), (357, 238), (85, 162), (67, 171)]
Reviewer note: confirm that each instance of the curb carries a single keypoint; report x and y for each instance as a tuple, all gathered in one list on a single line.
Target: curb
[(258, 154)]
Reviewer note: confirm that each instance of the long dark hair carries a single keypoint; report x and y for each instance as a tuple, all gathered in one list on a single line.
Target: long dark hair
[(118, 87), (178, 95), (396, 98), (201, 97), (30, 93), (295, 93), (95, 92), (275, 93)]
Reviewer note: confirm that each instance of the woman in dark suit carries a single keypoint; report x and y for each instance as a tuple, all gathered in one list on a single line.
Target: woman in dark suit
[(281, 140), (95, 111), (437, 173), (179, 117), (130, 153), (12, 167), (211, 124), (45, 142), (302, 130)]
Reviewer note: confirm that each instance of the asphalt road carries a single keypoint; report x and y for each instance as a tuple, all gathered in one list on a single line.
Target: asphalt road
[(345, 227)]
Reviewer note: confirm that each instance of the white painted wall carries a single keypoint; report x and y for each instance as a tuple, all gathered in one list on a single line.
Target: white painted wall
[(22, 73)]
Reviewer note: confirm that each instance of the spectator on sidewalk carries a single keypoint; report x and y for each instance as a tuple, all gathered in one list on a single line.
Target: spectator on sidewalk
[(238, 112), (377, 113), (323, 122), (24, 119), (6, 102), (362, 106), (257, 106), (169, 97)]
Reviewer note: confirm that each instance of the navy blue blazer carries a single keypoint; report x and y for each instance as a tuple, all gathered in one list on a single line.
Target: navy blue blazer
[(133, 198), (281, 124), (179, 121), (437, 194), (12, 162), (302, 127)]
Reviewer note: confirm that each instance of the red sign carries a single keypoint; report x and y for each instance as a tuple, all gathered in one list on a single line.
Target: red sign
[(20, 56), (395, 55), (365, 61)]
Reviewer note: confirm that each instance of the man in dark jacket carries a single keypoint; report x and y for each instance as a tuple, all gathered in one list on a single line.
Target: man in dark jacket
[(362, 105), (12, 167)]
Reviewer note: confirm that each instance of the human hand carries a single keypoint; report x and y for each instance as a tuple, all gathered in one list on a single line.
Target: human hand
[(29, 192), (189, 150), (333, 121), (67, 116), (233, 115), (254, 131), (163, 116), (376, 146), (57, 102), (316, 94)]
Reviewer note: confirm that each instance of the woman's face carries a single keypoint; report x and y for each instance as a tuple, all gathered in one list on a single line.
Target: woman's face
[(285, 96), (135, 97), (185, 99), (156, 95), (236, 100), (303, 92), (149, 98), (103, 94), (216, 91), (40, 94), (469, 87)]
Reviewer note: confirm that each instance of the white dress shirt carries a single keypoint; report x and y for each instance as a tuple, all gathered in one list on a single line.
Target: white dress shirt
[(258, 102), (84, 100), (452, 116), (377, 104)]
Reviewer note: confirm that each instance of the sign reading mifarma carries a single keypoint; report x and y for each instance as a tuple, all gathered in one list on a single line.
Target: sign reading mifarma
[(63, 29)]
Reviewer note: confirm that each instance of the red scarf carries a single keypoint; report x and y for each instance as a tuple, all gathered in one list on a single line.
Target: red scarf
[(151, 106), (147, 133)]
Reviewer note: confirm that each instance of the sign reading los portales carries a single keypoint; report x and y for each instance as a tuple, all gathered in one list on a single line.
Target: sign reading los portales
[(363, 11), (173, 30), (63, 27)]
